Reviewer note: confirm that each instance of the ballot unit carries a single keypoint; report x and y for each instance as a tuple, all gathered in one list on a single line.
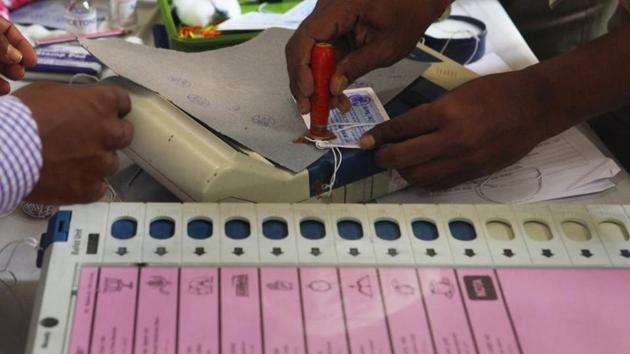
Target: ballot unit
[(341, 278)]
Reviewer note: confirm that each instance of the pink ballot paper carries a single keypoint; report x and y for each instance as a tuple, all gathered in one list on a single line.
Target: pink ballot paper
[(289, 310)]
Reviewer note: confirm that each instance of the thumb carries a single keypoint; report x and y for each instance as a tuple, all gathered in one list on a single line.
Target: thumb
[(418, 121), (356, 64)]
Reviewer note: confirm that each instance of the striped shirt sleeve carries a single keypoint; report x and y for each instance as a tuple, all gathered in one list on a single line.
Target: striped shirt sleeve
[(20, 152)]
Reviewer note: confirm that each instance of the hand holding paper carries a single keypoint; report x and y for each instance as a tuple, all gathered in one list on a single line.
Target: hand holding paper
[(475, 130)]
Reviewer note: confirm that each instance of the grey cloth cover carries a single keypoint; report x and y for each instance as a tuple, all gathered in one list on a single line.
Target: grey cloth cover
[(241, 92)]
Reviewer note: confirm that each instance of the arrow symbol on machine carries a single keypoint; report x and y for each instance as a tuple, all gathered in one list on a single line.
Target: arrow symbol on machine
[(238, 251), (431, 252), (200, 251), (587, 253), (315, 251), (354, 252), (625, 253), (547, 253), (508, 253), (121, 251), (160, 251), (392, 252), (277, 251), (469, 252)]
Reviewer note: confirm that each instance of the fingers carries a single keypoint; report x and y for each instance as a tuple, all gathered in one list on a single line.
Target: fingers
[(113, 97), (413, 152), (5, 87), (330, 21), (87, 192), (8, 53), (358, 63), (97, 192), (411, 124), (74, 190), (117, 134), (16, 40), (123, 101), (108, 165), (13, 71), (437, 174), (298, 55), (341, 102), (10, 59)]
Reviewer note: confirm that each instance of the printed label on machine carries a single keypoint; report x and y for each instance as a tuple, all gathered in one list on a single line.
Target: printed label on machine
[(366, 112), (155, 309)]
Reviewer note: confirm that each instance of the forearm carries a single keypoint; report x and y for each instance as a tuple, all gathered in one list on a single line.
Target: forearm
[(590, 80), (20, 153)]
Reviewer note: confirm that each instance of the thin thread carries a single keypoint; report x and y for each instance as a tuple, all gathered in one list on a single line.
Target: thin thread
[(32, 242), (453, 33), (337, 160), (336, 151), (337, 165), (21, 309)]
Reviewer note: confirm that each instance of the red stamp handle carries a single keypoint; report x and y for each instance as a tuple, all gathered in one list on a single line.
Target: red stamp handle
[(323, 64)]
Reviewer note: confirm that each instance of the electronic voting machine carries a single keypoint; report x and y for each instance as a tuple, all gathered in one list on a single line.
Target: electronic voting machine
[(198, 164), (337, 278)]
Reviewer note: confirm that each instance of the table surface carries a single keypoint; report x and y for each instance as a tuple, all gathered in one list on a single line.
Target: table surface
[(16, 301)]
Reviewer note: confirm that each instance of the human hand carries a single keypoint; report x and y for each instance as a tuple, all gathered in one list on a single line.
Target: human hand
[(471, 132), (367, 34), (15, 54), (81, 129)]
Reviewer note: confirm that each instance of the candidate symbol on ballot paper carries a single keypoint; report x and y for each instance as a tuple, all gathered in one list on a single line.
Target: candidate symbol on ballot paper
[(113, 285), (480, 287), (202, 285), (160, 284), (280, 285), (442, 287), (364, 286), (402, 288), (320, 286), (240, 282)]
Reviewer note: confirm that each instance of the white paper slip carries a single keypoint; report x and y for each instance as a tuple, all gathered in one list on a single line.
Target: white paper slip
[(263, 20), (490, 63), (367, 111), (258, 21)]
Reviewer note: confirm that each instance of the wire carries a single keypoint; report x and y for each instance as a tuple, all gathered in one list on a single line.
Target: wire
[(32, 242), (473, 35), (337, 160)]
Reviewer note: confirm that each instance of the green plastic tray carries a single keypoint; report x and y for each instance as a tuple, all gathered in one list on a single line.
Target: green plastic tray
[(226, 39)]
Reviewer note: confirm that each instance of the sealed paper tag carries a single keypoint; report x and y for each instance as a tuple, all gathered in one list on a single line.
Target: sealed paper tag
[(367, 111)]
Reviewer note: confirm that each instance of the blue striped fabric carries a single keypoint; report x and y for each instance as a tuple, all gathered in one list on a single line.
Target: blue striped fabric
[(20, 152)]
